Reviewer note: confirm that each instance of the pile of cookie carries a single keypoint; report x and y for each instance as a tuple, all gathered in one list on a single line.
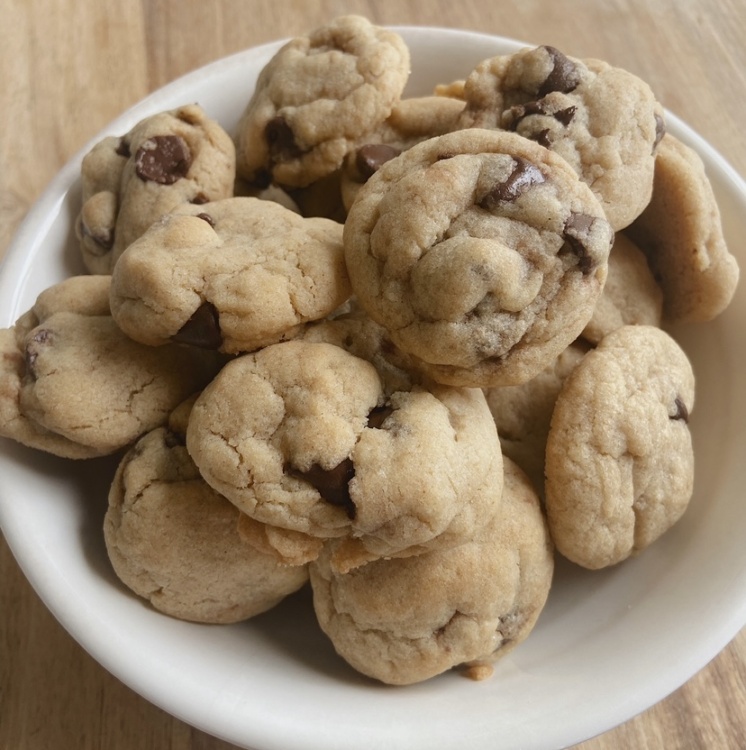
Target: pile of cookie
[(402, 348)]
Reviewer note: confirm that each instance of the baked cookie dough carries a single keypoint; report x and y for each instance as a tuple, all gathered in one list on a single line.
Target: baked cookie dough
[(234, 275), (681, 234), (619, 460), (301, 436), (603, 120), (72, 384), (170, 158), (316, 98), (174, 541), (481, 252), (631, 295), (405, 621)]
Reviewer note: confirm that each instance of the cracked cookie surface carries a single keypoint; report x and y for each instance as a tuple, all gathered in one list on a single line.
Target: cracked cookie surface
[(174, 541), (619, 460), (316, 97), (405, 621), (481, 252), (233, 275), (170, 158), (74, 385)]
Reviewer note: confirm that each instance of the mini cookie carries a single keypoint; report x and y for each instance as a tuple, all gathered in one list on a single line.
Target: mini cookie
[(316, 98), (411, 121), (482, 254), (174, 157), (235, 275), (619, 462), (631, 295), (404, 621), (603, 120), (523, 412), (301, 436), (174, 541), (74, 385), (681, 234)]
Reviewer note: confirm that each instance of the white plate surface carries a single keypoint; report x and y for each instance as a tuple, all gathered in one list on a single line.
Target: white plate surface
[(608, 645)]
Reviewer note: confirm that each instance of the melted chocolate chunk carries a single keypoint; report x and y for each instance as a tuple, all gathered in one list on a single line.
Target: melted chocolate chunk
[(523, 177), (378, 416), (202, 329), (164, 159), (332, 484), (39, 338), (564, 76), (281, 139), (123, 149), (577, 231), (682, 412), (372, 156)]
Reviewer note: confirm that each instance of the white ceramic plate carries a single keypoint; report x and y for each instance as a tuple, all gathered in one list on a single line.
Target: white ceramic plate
[(608, 645)]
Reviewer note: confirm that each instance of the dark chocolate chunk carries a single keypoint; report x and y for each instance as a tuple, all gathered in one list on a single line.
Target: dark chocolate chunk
[(523, 177), (202, 329), (332, 484), (564, 76), (565, 115), (378, 416), (542, 138), (207, 218), (281, 139), (577, 231), (164, 159), (682, 412), (372, 156)]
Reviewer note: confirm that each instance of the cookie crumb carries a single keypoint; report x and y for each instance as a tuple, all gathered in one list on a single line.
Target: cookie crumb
[(478, 672)]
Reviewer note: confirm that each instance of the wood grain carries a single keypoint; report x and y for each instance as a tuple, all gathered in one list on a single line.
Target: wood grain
[(69, 66)]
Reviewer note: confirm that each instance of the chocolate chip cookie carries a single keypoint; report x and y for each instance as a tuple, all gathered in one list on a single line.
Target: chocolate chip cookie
[(234, 275), (170, 158), (317, 97), (481, 252), (619, 461)]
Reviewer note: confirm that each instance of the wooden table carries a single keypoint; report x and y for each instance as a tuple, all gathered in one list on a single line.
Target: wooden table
[(70, 66)]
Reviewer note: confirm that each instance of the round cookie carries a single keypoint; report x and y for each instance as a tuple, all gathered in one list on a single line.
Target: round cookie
[(619, 461), (72, 384), (481, 252), (411, 121), (405, 621), (235, 275), (318, 96), (302, 436), (603, 120), (631, 295), (170, 158), (522, 413), (174, 541), (681, 234)]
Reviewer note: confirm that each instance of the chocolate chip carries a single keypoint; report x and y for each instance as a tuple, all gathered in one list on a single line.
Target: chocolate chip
[(564, 76), (577, 231), (682, 412), (207, 218), (523, 177), (123, 149), (542, 138), (565, 115), (164, 159), (39, 338), (378, 416), (200, 199), (372, 156), (521, 111), (202, 329), (281, 139), (660, 131), (332, 484)]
